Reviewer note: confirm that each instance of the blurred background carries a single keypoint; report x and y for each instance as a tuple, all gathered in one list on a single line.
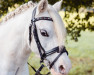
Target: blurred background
[(78, 16)]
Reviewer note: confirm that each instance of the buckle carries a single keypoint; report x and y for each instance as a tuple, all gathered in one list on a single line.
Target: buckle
[(33, 20), (43, 57)]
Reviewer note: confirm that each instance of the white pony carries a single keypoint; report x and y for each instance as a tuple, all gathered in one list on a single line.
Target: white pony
[(14, 38)]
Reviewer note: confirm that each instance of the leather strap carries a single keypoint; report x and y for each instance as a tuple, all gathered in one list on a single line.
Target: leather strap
[(63, 51), (43, 53)]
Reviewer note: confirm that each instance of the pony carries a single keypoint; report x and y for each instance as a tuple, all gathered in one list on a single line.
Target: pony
[(14, 38)]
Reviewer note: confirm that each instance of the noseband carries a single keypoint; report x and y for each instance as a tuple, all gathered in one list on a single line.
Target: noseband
[(43, 53)]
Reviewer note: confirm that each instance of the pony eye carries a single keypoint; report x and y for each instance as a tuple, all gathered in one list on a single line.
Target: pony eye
[(44, 33)]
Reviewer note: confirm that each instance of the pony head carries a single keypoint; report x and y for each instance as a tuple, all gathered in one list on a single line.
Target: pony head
[(51, 34)]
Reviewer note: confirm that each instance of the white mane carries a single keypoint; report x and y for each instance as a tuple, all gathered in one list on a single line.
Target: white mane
[(19, 10), (58, 24)]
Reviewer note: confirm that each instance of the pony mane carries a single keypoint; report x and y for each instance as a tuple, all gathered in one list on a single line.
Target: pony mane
[(19, 10)]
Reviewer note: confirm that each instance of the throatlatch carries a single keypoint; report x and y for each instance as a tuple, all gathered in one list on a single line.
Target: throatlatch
[(43, 53)]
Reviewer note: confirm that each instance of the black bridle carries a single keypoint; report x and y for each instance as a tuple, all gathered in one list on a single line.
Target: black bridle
[(43, 53)]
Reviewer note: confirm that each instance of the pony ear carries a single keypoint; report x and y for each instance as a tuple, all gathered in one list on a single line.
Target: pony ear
[(42, 6), (57, 5)]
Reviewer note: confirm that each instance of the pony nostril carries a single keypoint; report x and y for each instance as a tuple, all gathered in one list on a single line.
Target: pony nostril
[(62, 69)]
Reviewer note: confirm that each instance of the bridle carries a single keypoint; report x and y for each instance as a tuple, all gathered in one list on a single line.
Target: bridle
[(43, 53)]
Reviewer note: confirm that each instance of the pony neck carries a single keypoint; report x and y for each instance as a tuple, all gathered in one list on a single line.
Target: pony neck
[(15, 34)]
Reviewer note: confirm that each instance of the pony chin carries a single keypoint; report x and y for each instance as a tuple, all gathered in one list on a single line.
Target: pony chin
[(53, 72)]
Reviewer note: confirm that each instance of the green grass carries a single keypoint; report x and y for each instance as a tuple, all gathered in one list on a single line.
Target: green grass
[(81, 54)]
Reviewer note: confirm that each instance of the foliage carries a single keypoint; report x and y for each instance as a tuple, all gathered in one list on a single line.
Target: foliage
[(76, 22), (69, 6), (76, 25)]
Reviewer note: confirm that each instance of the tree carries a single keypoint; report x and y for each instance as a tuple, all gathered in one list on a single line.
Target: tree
[(72, 6)]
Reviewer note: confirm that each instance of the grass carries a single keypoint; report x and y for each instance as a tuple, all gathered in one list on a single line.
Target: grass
[(81, 54)]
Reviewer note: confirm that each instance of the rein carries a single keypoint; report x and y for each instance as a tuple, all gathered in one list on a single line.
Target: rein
[(43, 53)]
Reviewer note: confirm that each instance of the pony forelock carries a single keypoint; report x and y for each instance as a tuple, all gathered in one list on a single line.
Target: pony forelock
[(58, 24)]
